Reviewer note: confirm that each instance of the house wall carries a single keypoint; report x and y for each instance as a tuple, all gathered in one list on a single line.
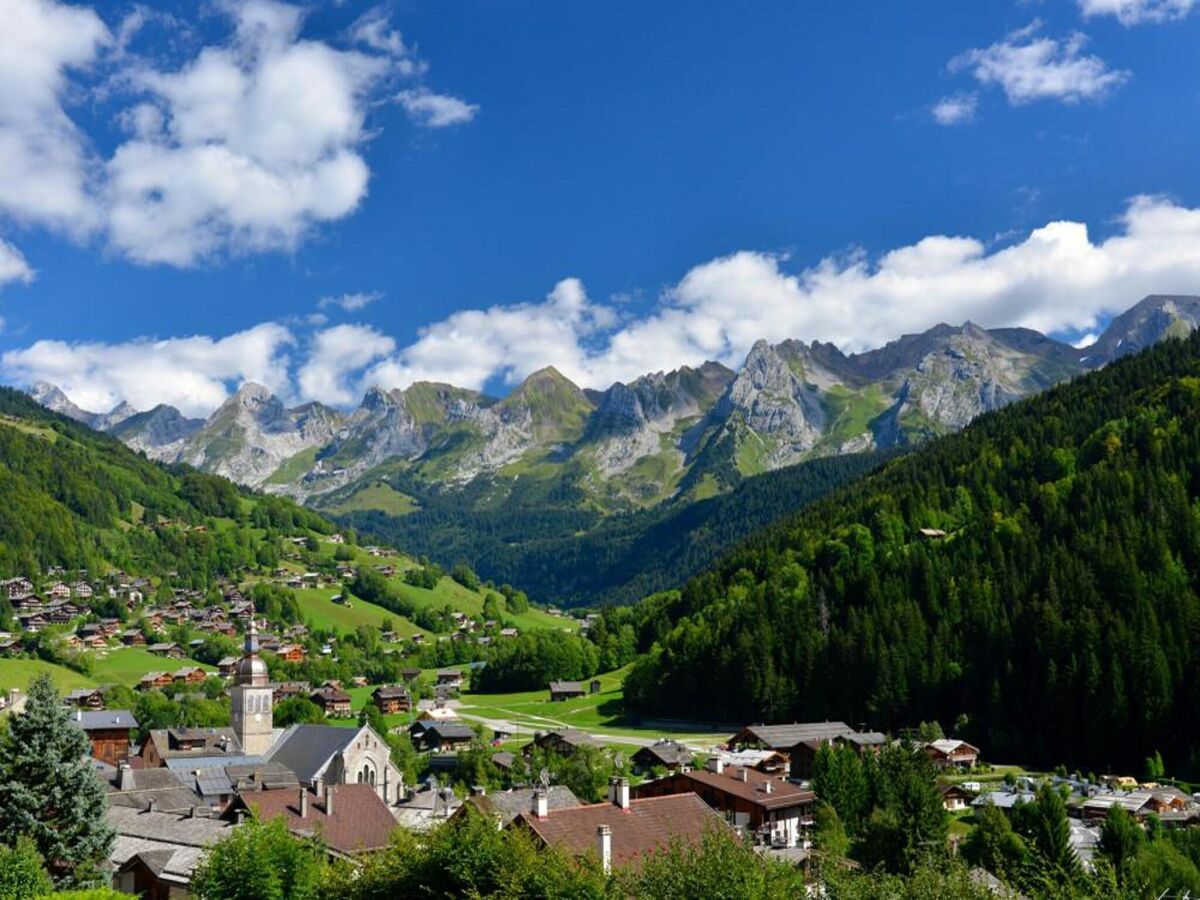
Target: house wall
[(111, 747), (371, 753)]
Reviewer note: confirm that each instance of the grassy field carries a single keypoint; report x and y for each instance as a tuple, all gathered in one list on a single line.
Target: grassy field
[(450, 593), (17, 673), (316, 606), (602, 713), (127, 666), (377, 495)]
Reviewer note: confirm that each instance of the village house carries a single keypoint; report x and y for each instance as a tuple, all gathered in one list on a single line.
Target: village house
[(567, 690), (798, 741), (293, 653), (621, 832), (350, 819), (155, 854), (227, 667), (664, 754), (502, 807), (392, 699), (955, 797), (774, 811), (169, 649), (565, 742), (431, 735), (952, 754), (156, 681), (163, 744), (189, 675), (10, 646), (333, 701), (427, 808), (1172, 806), (450, 678), (286, 690), (108, 732), (85, 698), (133, 637), (59, 591)]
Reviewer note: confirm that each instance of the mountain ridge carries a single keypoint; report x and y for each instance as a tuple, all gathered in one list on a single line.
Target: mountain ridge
[(693, 431)]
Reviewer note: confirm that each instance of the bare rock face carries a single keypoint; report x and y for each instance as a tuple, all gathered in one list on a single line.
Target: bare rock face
[(252, 433), (159, 433), (774, 399)]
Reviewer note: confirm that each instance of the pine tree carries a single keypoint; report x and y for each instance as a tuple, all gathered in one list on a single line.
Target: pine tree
[(48, 792)]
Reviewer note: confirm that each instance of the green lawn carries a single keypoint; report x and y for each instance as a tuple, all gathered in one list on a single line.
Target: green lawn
[(601, 713), (128, 665), (17, 673), (450, 593)]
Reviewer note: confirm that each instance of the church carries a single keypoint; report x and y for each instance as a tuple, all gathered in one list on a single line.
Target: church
[(318, 755)]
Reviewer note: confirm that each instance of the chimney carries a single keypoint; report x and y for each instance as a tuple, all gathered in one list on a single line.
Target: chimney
[(715, 764), (319, 785), (329, 800), (241, 816), (125, 777), (768, 787), (303, 803), (152, 806), (621, 788), (541, 803), (744, 775), (604, 845)]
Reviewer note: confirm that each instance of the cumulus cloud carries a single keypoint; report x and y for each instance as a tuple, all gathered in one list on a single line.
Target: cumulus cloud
[(432, 110), (1029, 66), (1133, 12), (191, 373), (350, 302), (246, 147), (336, 354), (13, 266), (43, 157), (1058, 278), (474, 346), (955, 110)]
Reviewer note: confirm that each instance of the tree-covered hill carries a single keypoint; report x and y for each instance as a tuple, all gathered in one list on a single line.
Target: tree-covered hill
[(1050, 610), (573, 555), (79, 499)]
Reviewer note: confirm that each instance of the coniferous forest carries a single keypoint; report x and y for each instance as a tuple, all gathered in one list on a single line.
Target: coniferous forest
[(1030, 582)]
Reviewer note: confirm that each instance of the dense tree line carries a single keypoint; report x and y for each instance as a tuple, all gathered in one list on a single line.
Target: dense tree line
[(532, 659), (79, 499), (1052, 612), (574, 555)]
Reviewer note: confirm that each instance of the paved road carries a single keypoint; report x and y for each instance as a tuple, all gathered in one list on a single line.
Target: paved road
[(547, 724)]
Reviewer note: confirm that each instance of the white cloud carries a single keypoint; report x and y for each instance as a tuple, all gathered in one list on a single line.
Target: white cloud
[(336, 354), (373, 30), (43, 156), (1133, 12), (246, 147), (13, 266), (955, 110), (473, 346), (1029, 66), (1056, 279), (436, 110), (350, 302), (191, 373)]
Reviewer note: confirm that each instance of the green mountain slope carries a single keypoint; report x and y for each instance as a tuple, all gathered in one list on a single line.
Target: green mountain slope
[(1049, 611), (574, 556)]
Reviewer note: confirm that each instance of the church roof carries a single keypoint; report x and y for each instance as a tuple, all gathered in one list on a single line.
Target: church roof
[(307, 749)]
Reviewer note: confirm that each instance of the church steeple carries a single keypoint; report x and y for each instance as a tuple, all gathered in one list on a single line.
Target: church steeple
[(251, 695)]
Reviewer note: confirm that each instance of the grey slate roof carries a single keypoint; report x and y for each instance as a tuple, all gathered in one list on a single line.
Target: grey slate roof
[(782, 737), (100, 719), (507, 805), (169, 845), (307, 749)]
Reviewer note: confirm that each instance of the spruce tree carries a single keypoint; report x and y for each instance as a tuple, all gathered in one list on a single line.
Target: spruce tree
[(48, 792)]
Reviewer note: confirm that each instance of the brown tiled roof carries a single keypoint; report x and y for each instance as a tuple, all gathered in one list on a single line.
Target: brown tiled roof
[(360, 820), (647, 826), (783, 793)]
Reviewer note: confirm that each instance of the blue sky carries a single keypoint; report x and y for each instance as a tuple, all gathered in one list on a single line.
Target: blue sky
[(476, 189)]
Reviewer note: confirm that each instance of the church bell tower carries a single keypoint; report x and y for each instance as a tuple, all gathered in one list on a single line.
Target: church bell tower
[(251, 694)]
